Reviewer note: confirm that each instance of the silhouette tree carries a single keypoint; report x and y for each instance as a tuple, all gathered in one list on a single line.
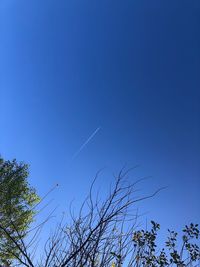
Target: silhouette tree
[(105, 233)]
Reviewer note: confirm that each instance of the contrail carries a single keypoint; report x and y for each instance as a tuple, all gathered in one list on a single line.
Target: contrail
[(86, 142)]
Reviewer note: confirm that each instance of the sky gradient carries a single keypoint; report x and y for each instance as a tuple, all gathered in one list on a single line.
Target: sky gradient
[(127, 68)]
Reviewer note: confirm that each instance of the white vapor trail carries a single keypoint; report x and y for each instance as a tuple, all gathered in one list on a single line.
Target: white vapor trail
[(85, 143)]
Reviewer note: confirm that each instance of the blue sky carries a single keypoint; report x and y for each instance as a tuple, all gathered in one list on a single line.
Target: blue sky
[(129, 67)]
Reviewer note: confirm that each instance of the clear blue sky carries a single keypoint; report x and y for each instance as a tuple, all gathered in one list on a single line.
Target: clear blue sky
[(132, 68)]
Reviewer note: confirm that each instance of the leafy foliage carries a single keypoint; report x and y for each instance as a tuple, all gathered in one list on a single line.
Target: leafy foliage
[(17, 200), (185, 254)]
